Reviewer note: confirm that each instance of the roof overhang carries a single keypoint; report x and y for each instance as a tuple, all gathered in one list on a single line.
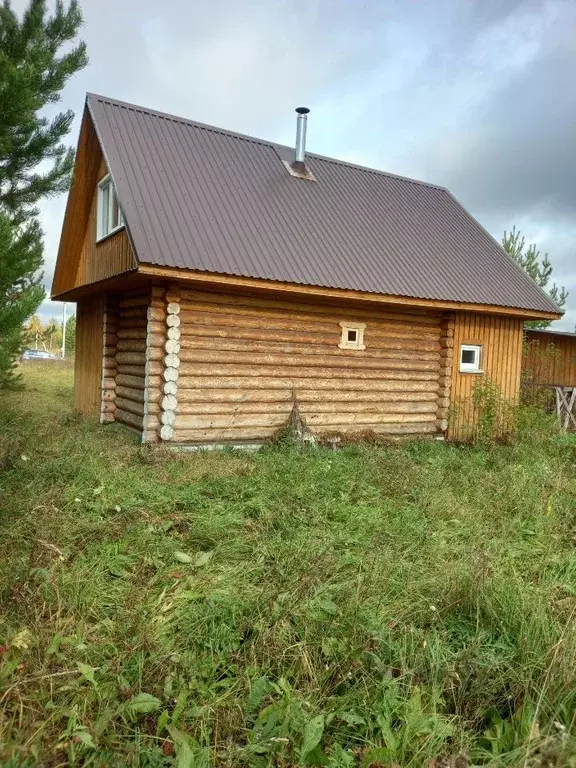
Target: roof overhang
[(125, 281), (211, 281), (205, 279)]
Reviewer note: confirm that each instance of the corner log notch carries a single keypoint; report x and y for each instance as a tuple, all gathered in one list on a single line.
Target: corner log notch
[(155, 335), (162, 364), (445, 373), (171, 363)]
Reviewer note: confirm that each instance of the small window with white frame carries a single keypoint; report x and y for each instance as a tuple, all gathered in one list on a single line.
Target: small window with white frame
[(471, 358), (110, 217), (352, 336)]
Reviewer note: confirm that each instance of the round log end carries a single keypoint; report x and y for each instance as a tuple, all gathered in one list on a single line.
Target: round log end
[(168, 418), (172, 361), (170, 374), (170, 388), (169, 403), (172, 347)]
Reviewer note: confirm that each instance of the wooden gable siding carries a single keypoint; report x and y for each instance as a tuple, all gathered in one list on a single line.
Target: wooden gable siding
[(88, 358), (107, 258), (550, 359), (242, 358), (84, 180), (501, 339), (81, 260)]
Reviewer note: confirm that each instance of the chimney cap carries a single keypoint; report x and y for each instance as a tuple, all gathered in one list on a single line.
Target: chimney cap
[(302, 110)]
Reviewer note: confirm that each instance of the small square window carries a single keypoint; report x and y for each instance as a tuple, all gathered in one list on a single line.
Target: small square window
[(352, 336), (110, 216), (470, 358)]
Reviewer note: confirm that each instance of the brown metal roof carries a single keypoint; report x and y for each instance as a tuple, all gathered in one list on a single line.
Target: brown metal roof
[(205, 199)]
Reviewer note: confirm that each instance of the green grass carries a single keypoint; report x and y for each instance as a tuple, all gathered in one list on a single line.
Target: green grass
[(367, 606)]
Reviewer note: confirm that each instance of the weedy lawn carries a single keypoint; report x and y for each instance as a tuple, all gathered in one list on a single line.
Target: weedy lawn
[(369, 606)]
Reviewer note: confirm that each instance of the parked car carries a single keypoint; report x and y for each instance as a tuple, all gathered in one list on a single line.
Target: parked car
[(37, 354)]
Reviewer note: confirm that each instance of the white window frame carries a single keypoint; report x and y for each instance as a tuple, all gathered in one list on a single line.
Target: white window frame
[(100, 233), (359, 329), (476, 366)]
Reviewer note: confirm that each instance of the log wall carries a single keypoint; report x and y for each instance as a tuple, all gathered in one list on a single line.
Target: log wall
[(196, 367), (241, 359), (550, 359), (129, 354)]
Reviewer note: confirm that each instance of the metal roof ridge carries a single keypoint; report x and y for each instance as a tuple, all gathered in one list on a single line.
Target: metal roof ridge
[(256, 140)]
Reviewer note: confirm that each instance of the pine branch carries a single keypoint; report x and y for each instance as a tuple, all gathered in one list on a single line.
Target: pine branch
[(35, 163), (537, 266)]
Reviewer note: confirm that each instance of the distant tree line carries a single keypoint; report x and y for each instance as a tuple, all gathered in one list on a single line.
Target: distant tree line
[(48, 336)]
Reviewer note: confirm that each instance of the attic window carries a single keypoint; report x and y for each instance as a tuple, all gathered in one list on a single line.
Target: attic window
[(110, 217), (352, 336)]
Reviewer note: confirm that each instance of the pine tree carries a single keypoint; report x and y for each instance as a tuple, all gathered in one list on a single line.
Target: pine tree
[(537, 266), (33, 72), (20, 288)]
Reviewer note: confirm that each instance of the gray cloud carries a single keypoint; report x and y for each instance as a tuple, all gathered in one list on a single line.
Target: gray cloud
[(476, 95)]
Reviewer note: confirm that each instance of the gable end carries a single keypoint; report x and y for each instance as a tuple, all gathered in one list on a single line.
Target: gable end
[(81, 259)]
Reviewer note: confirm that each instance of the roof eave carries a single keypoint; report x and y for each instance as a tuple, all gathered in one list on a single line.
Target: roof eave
[(344, 294)]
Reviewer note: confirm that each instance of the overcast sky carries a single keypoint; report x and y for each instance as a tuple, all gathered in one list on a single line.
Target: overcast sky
[(477, 95)]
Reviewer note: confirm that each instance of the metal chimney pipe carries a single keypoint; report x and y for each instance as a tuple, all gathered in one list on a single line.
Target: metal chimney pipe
[(301, 121)]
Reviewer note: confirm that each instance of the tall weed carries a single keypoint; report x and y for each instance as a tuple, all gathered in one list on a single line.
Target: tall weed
[(368, 606)]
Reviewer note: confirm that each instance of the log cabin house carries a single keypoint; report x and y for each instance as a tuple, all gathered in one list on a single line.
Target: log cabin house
[(220, 278)]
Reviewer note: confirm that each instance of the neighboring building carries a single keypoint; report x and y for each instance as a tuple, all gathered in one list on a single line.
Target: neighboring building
[(220, 278), (550, 358)]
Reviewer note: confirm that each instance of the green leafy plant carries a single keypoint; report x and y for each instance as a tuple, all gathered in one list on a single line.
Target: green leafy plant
[(405, 605), (486, 416)]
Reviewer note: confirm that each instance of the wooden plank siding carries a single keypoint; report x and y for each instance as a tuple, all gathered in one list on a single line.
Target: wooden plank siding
[(81, 260), (111, 256), (242, 358), (501, 339), (549, 359), (84, 180), (88, 359)]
